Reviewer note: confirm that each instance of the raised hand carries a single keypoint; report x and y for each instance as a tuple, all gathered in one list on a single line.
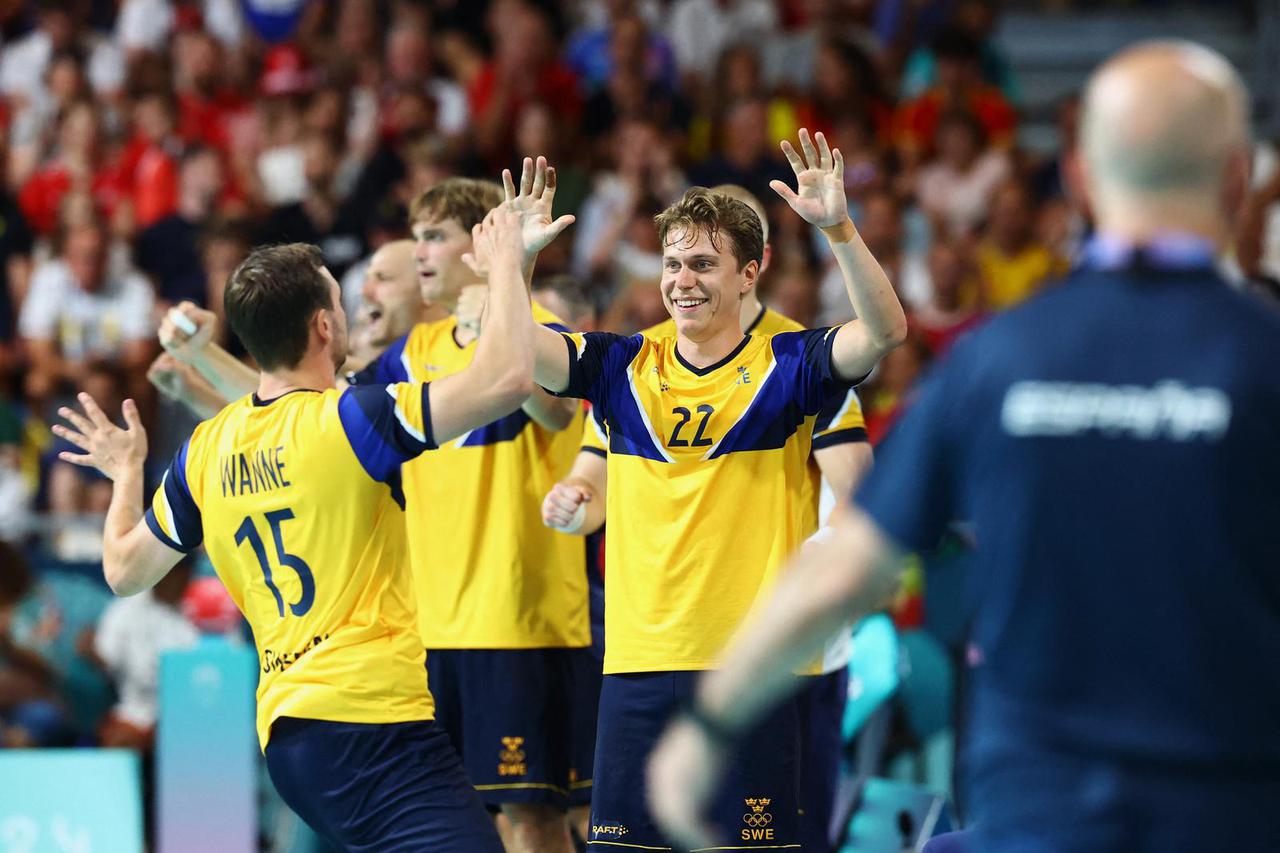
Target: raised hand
[(107, 447), (532, 203), (175, 336), (819, 194)]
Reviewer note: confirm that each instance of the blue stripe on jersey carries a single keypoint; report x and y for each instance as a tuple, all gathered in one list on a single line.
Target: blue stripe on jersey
[(503, 429), (771, 418), (630, 432), (154, 526), (817, 380), (377, 437), (386, 368), (184, 515), (852, 435)]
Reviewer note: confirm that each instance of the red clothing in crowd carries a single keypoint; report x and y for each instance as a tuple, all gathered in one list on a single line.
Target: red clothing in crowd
[(556, 86), (41, 196), (149, 172), (917, 121)]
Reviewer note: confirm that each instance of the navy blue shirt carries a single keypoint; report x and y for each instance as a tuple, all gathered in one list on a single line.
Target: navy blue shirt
[(1115, 445)]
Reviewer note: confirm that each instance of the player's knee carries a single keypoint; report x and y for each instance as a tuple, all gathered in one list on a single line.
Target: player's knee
[(532, 815)]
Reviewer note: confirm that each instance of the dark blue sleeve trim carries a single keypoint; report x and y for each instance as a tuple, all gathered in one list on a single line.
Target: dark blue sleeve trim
[(852, 435), (597, 451), (154, 526)]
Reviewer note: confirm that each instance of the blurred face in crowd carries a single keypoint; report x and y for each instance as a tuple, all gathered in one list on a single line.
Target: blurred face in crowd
[(202, 177), (59, 27), (745, 133), (627, 42), (85, 252), (153, 118), (319, 162), (535, 130), (196, 60), (391, 291), (959, 142), (741, 74), (66, 80), (793, 293), (947, 271), (880, 224), (1012, 220), (355, 28), (702, 285), (408, 54), (78, 135), (437, 253)]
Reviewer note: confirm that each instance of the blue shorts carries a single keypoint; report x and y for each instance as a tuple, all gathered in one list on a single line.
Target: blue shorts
[(821, 705), (757, 807), (510, 715), (383, 787), (586, 705)]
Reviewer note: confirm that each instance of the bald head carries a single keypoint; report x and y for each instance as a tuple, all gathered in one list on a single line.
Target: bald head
[(1162, 119), (391, 292)]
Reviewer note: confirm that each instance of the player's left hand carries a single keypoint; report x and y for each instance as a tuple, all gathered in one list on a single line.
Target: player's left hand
[(165, 373), (532, 203), (819, 194), (107, 447), (471, 302), (684, 769)]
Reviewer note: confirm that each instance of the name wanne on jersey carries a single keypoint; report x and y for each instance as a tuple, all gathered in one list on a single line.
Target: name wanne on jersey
[(253, 472)]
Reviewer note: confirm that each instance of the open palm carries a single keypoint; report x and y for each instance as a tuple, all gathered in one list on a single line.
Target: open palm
[(819, 194), (532, 203)]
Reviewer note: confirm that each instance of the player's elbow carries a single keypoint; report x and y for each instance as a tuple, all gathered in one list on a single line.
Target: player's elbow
[(115, 569), (893, 335), (513, 387)]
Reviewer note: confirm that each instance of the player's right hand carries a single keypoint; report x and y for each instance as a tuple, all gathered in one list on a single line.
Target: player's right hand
[(564, 508), (107, 447), (181, 345), (532, 203)]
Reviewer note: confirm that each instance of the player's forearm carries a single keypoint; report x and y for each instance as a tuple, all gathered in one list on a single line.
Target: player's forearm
[(504, 354), (123, 514), (870, 292), (230, 378), (845, 577), (549, 412), (199, 395)]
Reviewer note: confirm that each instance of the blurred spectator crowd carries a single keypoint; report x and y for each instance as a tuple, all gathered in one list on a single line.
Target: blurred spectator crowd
[(146, 145)]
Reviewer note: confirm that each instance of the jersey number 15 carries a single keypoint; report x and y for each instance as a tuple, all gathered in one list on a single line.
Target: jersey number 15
[(248, 531)]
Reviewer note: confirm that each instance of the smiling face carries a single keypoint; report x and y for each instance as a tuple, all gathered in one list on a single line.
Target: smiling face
[(391, 293), (438, 247), (702, 284)]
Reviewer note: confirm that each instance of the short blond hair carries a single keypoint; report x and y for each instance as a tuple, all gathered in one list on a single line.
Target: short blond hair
[(464, 200), (716, 213)]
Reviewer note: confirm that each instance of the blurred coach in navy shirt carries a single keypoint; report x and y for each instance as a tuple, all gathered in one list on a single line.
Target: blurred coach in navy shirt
[(1115, 446)]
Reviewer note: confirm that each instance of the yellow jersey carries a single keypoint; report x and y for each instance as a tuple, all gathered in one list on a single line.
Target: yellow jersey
[(839, 422), (710, 487), (489, 573), (298, 503)]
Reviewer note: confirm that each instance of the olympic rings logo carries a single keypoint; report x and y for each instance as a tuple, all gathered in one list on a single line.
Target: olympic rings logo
[(758, 821)]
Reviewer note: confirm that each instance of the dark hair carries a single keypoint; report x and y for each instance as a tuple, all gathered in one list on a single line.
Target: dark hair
[(577, 295), (271, 298), (15, 575), (701, 209), (954, 43)]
